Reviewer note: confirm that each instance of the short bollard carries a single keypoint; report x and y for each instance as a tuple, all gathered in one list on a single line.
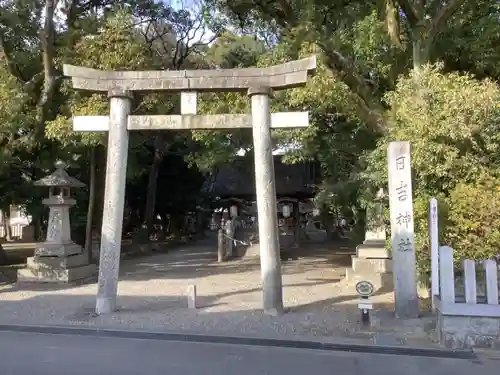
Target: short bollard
[(365, 290), (191, 296), (220, 246)]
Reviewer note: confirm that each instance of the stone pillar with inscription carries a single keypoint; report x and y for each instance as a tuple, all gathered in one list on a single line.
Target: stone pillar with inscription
[(373, 260), (434, 242), (58, 259), (402, 230)]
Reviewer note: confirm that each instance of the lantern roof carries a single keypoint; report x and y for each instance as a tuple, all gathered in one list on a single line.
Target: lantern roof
[(59, 178)]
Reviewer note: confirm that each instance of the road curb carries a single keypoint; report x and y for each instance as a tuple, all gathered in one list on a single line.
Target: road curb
[(245, 341)]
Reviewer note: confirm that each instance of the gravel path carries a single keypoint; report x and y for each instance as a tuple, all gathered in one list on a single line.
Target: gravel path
[(152, 297)]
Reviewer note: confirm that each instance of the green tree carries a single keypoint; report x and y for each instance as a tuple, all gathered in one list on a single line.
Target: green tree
[(451, 121), (418, 32)]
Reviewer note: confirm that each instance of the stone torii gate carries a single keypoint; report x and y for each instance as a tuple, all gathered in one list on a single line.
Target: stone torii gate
[(257, 82)]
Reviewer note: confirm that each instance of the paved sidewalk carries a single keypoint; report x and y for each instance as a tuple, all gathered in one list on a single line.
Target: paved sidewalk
[(322, 305)]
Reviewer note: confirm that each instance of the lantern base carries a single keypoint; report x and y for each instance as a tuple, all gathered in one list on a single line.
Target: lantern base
[(57, 269), (52, 249), (62, 276)]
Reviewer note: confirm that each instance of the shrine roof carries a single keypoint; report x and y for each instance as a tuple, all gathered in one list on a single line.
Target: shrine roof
[(238, 179)]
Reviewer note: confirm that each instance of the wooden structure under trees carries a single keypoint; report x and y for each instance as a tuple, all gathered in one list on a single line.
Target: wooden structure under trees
[(295, 183)]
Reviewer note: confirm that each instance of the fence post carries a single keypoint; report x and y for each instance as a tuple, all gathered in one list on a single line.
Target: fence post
[(470, 285), (447, 275), (434, 243), (491, 270)]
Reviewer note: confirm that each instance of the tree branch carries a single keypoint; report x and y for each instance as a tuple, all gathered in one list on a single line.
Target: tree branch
[(444, 14), (392, 22), (371, 109), (410, 12)]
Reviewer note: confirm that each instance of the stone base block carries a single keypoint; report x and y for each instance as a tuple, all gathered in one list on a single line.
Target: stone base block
[(383, 281), (466, 332), (369, 265), (56, 275), (374, 243), (373, 251), (47, 249), (38, 262)]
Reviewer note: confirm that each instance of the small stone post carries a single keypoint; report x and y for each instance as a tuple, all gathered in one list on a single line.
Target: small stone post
[(220, 246), (191, 296), (402, 230), (114, 200), (270, 263)]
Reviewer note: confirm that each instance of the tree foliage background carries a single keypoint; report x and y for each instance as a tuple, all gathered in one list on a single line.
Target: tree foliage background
[(425, 71)]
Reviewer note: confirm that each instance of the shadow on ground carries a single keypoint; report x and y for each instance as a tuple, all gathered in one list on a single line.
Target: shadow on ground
[(170, 314), (152, 297), (199, 259)]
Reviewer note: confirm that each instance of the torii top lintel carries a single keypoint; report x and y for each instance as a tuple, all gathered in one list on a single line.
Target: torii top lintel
[(287, 75)]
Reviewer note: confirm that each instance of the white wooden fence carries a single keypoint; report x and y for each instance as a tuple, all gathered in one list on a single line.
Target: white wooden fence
[(16, 230), (446, 302)]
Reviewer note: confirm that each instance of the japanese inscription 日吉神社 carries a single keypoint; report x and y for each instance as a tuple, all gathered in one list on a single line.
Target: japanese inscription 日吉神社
[(402, 229)]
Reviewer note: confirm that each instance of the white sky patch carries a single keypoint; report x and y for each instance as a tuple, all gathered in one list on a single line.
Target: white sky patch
[(195, 7), (282, 150)]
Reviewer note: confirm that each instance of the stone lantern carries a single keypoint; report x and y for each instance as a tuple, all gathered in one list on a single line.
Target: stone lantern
[(58, 259)]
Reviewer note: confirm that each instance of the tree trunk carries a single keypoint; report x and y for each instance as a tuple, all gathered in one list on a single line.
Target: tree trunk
[(6, 223), (3, 256), (160, 147), (50, 82), (421, 52), (149, 212), (200, 223), (175, 227), (327, 221), (100, 179), (90, 209), (424, 30)]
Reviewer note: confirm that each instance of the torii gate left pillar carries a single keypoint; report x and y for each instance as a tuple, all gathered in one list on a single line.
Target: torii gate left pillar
[(257, 82)]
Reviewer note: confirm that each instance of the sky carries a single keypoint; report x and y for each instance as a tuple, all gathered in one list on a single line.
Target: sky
[(179, 4)]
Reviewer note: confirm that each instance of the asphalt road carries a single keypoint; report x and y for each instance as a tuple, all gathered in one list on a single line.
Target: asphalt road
[(46, 354)]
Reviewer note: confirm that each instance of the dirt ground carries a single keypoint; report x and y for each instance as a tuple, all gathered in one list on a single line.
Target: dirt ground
[(152, 295)]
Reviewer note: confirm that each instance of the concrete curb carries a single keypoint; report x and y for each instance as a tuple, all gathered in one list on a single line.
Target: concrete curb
[(247, 341)]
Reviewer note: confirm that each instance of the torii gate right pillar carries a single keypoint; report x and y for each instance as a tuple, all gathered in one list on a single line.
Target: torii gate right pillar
[(272, 291)]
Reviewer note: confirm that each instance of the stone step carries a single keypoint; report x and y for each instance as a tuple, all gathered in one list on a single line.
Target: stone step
[(58, 250), (369, 251), (379, 280), (73, 261), (371, 265), (56, 276)]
